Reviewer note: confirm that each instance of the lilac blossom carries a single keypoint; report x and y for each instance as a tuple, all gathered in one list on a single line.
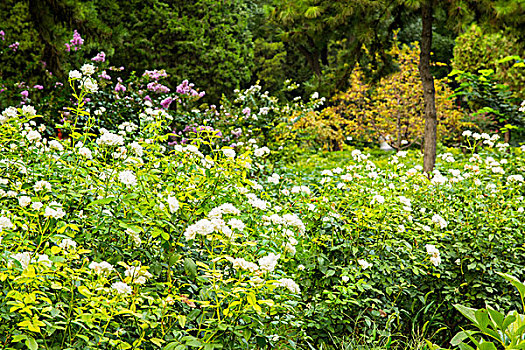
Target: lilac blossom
[(100, 57), (120, 87), (74, 43), (104, 75), (158, 88), (155, 74), (14, 46), (166, 102)]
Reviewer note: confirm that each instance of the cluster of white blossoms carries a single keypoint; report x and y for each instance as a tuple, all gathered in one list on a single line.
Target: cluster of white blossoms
[(173, 204), (101, 268), (228, 152), (290, 284), (268, 263), (54, 210), (68, 244), (122, 288), (274, 179), (27, 258), (135, 236), (128, 178), (261, 152), (377, 199), (256, 202), (301, 189), (435, 257), (109, 139), (137, 274), (364, 264), (439, 220)]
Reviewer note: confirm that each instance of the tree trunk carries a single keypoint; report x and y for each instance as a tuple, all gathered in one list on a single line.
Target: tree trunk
[(429, 92)]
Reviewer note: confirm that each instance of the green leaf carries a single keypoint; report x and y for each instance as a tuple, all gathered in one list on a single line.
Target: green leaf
[(190, 267), (31, 343), (467, 312)]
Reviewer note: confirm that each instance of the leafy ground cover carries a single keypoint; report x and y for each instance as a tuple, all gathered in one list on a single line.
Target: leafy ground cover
[(144, 237)]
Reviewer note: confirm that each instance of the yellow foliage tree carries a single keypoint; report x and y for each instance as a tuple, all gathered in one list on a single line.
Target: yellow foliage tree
[(393, 109)]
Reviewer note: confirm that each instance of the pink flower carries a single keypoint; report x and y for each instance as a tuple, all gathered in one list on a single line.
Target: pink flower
[(14, 46), (166, 102), (100, 57), (74, 43), (104, 75), (24, 94), (38, 87), (120, 87), (2, 34)]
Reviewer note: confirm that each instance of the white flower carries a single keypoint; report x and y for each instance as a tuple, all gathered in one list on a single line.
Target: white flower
[(364, 264), (109, 139), (23, 258), (24, 201), (269, 262), (137, 148), (377, 199), (435, 257), (55, 144), (134, 236), (87, 69), (260, 152), (75, 74), (54, 210), (242, 264), (90, 85), (173, 204), (467, 133), (138, 275), (202, 227), (128, 178), (274, 178), (122, 288), (290, 284), (67, 244), (102, 267), (345, 278), (5, 222), (236, 224), (85, 152), (230, 153), (33, 135), (28, 110), (439, 220), (515, 178), (37, 205)]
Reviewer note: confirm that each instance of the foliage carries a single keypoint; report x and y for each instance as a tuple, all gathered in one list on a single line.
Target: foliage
[(496, 329), (476, 50), (484, 95), (393, 109)]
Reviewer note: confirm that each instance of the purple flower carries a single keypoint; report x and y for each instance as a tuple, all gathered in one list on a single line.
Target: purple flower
[(38, 87), (104, 75), (166, 102), (58, 84), (74, 43), (155, 74), (120, 87), (158, 88), (14, 46), (25, 94), (147, 98), (100, 57), (2, 34)]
